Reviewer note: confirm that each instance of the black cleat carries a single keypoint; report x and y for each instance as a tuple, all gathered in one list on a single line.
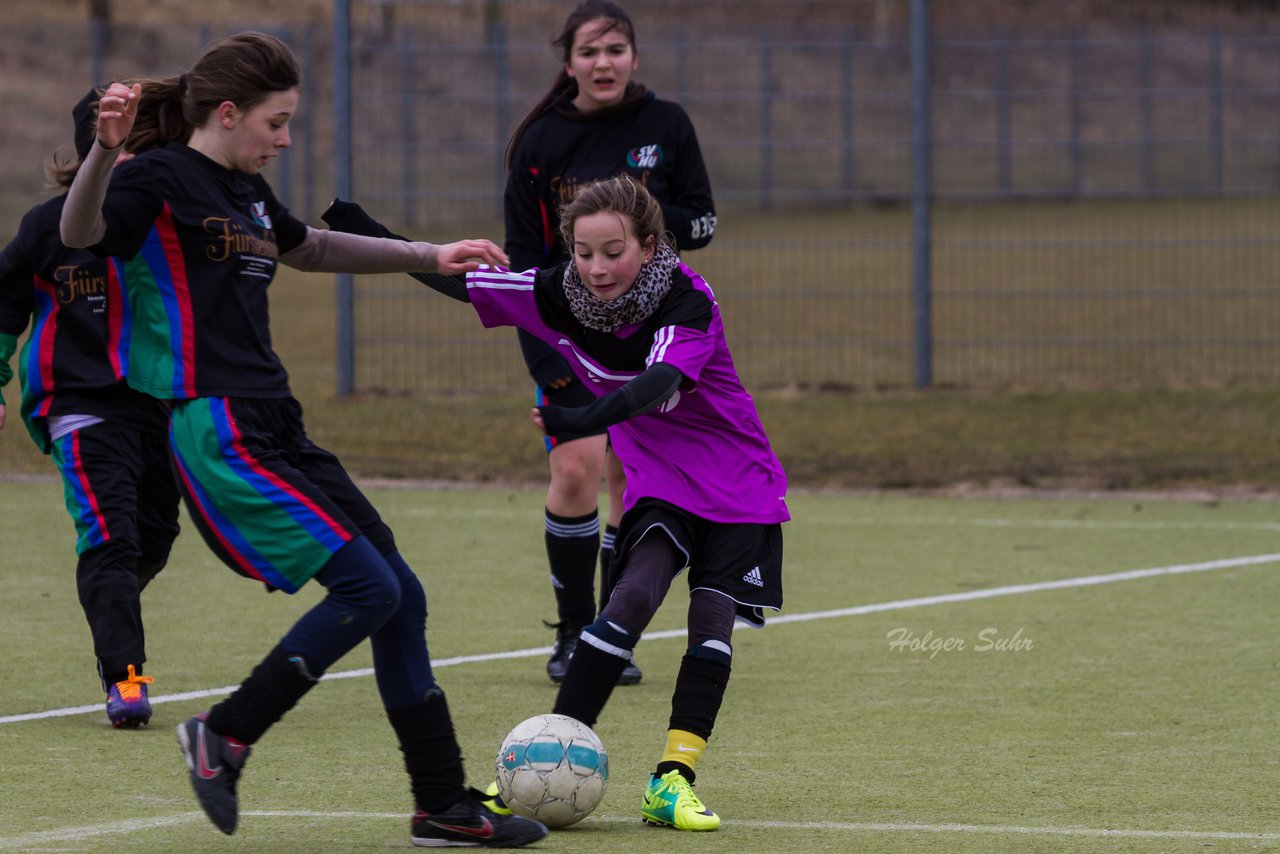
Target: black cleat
[(631, 674), (566, 643), (468, 823), (214, 762)]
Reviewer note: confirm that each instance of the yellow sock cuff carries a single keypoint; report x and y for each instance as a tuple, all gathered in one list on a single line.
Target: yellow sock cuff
[(683, 747)]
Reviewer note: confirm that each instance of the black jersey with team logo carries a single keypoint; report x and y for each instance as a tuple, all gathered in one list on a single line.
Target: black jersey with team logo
[(68, 364), (650, 139), (195, 246)]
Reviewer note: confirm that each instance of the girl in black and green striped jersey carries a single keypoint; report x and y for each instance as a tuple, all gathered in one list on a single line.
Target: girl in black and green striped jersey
[(195, 235)]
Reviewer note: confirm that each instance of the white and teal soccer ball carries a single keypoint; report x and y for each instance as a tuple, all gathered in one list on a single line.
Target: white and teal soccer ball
[(552, 768)]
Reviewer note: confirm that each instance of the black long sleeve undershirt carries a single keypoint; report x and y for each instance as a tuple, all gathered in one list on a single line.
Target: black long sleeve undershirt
[(650, 389), (351, 218)]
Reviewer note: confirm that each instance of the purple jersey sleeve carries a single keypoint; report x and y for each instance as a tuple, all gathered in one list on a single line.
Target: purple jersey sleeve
[(683, 348), (504, 298)]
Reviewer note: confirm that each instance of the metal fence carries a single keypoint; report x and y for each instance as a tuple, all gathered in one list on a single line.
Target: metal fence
[(1098, 208), (1101, 209)]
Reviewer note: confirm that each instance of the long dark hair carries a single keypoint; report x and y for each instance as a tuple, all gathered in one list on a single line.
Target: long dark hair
[(245, 69), (615, 18)]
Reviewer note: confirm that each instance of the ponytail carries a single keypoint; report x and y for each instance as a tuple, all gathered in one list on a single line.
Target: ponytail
[(563, 87)]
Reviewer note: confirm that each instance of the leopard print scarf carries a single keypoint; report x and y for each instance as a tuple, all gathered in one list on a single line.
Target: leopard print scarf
[(652, 284)]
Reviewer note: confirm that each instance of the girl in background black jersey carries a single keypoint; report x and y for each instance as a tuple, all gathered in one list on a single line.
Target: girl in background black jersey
[(195, 235), (109, 442), (594, 123)]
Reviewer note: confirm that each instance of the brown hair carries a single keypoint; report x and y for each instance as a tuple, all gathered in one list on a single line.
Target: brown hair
[(244, 69), (60, 172), (615, 18), (624, 196)]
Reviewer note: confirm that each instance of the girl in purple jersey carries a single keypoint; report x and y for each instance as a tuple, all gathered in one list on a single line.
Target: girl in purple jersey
[(596, 121), (195, 235), (705, 492)]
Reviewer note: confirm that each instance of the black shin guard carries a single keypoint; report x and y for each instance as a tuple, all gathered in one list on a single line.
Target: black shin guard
[(274, 687), (431, 752), (699, 691), (592, 675)]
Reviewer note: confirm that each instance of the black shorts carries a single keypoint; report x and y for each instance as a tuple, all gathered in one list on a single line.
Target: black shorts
[(740, 560)]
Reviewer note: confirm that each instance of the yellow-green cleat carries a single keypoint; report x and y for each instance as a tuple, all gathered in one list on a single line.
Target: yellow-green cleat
[(669, 800), (493, 800)]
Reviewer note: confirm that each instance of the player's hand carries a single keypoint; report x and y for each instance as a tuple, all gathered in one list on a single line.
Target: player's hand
[(535, 414), (467, 255), (1, 416), (117, 111)]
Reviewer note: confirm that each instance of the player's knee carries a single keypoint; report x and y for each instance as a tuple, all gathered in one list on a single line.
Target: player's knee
[(575, 474), (115, 555), (369, 593), (151, 562)]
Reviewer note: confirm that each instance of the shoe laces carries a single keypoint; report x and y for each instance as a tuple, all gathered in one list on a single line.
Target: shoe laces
[(565, 634), (682, 788), (130, 688)]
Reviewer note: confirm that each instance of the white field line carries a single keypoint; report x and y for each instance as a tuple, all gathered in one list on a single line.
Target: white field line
[(857, 610), (72, 834), (41, 838), (909, 521)]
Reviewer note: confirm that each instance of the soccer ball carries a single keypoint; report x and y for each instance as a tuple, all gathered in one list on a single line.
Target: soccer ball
[(552, 768)]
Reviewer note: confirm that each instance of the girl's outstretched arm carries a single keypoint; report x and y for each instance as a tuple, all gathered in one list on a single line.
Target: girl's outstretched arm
[(637, 397), (349, 217)]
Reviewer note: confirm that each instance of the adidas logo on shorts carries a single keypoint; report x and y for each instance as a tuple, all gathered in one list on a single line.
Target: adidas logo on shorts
[(753, 577)]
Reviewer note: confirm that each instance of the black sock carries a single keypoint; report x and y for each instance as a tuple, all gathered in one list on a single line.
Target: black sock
[(593, 672), (685, 771), (572, 544), (608, 578), (699, 691), (274, 687), (431, 752)]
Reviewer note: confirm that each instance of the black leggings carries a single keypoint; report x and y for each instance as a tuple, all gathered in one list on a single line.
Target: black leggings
[(645, 576)]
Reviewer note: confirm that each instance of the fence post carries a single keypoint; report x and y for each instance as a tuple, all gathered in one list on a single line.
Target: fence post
[(1216, 157), (283, 185), (1076, 118), (408, 130), (344, 297), (848, 174), (1004, 115), (307, 109), (920, 192), (766, 118), (1148, 113), (99, 42), (682, 66), (501, 101)]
